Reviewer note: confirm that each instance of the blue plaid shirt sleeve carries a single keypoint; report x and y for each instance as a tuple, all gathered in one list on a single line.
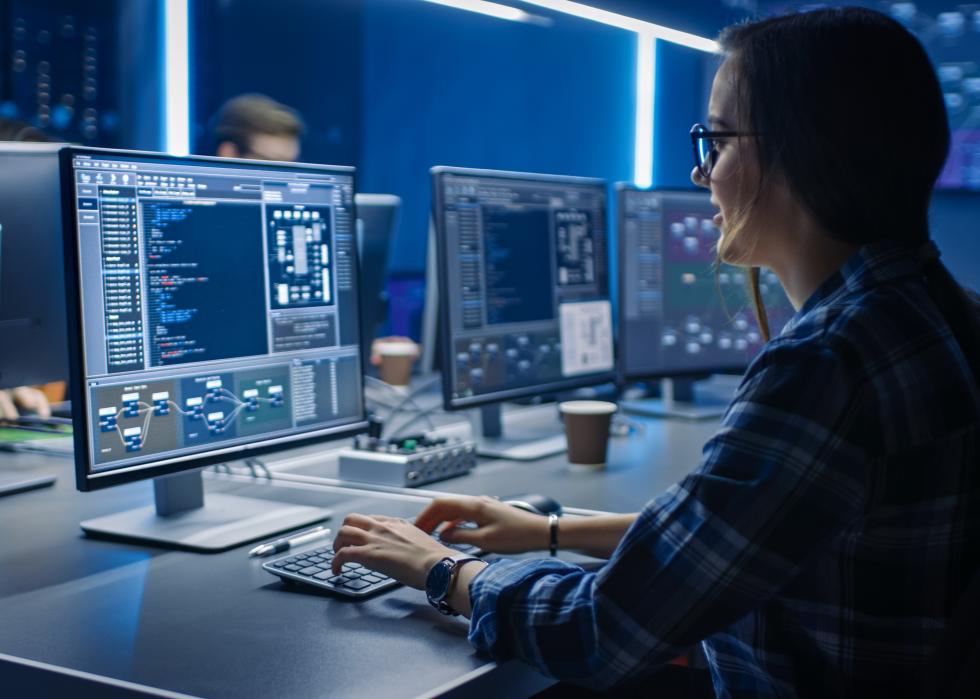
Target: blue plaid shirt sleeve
[(777, 481)]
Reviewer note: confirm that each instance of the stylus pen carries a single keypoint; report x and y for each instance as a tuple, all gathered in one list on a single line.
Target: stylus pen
[(287, 543)]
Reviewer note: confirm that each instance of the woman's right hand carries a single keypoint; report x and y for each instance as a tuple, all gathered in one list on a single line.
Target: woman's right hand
[(499, 528)]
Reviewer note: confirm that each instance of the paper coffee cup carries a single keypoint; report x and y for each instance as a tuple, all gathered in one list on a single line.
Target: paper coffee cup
[(396, 362), (587, 430)]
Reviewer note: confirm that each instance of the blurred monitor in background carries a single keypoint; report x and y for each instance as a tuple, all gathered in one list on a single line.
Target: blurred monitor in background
[(30, 399), (256, 127), (377, 220)]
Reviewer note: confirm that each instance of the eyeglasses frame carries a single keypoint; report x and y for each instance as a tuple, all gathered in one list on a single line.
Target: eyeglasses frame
[(700, 132)]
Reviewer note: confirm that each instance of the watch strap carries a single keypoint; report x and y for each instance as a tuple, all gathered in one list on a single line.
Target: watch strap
[(553, 534), (454, 564)]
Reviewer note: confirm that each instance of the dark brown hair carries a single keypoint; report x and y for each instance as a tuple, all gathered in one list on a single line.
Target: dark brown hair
[(250, 114), (846, 107)]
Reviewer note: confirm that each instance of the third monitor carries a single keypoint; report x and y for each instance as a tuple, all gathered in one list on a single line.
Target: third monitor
[(679, 317)]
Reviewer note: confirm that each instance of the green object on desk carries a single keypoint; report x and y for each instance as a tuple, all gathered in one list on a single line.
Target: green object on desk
[(10, 435)]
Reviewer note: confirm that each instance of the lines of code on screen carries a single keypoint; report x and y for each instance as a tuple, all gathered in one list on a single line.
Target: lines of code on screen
[(205, 287), (518, 265)]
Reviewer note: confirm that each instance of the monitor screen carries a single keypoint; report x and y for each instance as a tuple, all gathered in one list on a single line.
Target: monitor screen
[(524, 291), (677, 316), (32, 288), (215, 309), (377, 220)]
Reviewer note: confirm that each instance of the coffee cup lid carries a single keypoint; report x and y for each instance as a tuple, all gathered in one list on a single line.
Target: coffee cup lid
[(398, 349), (587, 407)]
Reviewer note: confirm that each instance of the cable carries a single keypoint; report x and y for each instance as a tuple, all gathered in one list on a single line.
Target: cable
[(253, 463), (621, 426), (408, 399), (424, 415), (399, 394)]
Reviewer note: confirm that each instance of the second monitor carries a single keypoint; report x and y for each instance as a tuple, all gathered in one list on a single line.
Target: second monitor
[(524, 292)]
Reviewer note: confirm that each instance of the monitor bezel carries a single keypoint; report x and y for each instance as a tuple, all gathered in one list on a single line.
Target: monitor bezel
[(85, 479), (445, 339), (625, 376)]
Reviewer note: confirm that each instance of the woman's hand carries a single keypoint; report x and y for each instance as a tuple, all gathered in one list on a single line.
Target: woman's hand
[(499, 528), (388, 545)]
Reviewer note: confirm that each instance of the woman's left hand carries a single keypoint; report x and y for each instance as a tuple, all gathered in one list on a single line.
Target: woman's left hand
[(388, 545)]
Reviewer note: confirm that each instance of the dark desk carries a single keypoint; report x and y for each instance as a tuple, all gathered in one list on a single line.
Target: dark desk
[(217, 625), (640, 467)]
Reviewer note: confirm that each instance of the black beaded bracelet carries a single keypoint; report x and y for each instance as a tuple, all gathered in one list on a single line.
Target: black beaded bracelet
[(553, 534)]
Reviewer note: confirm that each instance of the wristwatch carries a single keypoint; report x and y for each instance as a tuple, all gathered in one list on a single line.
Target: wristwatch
[(439, 582)]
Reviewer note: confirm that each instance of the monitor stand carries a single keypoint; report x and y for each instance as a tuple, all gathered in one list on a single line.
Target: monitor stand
[(534, 438), (11, 483), (180, 518), (678, 401)]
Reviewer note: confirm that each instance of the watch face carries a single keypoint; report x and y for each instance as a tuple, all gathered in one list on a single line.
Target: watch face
[(437, 582)]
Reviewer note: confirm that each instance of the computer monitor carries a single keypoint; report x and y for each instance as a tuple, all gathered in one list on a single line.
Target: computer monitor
[(32, 288), (524, 290), (953, 216), (678, 318), (213, 315), (377, 219)]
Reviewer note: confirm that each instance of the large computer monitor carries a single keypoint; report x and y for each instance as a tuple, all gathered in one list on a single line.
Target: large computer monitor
[(524, 289), (213, 315), (678, 317), (32, 289), (377, 219)]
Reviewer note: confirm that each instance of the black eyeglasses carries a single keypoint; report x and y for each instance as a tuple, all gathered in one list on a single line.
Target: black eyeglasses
[(705, 144)]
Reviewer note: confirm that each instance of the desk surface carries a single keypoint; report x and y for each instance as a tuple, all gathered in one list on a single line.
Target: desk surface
[(218, 626), (212, 625), (640, 466)]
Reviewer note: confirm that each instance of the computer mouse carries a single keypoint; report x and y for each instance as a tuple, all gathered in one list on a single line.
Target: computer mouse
[(535, 503)]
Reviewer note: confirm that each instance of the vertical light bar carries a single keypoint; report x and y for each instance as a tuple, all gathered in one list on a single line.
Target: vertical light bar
[(176, 78), (646, 78)]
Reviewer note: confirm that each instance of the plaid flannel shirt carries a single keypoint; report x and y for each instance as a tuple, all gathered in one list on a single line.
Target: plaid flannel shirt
[(821, 543)]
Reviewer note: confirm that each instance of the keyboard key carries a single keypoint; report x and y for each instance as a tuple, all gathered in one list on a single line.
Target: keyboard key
[(291, 567), (370, 578), (323, 575), (356, 584), (309, 571), (337, 579), (379, 575), (279, 564), (315, 559), (351, 566)]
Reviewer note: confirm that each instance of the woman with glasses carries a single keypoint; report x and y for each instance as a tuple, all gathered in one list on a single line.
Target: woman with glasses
[(823, 542)]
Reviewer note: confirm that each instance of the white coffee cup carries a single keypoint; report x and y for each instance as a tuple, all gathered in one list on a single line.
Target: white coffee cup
[(397, 358)]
